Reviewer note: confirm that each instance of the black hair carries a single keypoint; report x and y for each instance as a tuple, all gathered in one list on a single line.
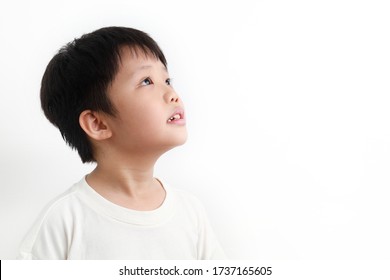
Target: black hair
[(78, 76)]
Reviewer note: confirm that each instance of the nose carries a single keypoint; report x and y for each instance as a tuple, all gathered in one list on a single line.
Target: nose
[(171, 97)]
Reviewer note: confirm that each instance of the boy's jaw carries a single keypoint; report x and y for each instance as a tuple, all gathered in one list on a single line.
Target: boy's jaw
[(177, 117)]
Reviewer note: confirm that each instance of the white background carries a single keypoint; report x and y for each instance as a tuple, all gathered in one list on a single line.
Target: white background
[(287, 105)]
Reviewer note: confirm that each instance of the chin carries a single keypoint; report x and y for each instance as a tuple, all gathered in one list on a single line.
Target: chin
[(178, 141), (183, 139)]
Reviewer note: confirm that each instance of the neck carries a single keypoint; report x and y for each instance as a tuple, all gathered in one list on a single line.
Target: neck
[(130, 175)]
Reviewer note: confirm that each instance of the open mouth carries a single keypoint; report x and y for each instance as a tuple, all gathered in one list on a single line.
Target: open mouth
[(177, 116)]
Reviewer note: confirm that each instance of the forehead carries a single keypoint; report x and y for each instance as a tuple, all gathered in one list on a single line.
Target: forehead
[(137, 58), (127, 53)]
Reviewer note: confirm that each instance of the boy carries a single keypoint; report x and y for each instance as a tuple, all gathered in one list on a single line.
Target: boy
[(110, 95)]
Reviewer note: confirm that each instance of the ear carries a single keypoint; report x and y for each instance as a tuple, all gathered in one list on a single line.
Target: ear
[(95, 125)]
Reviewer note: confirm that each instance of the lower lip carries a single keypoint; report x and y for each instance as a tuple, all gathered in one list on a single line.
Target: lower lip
[(178, 122)]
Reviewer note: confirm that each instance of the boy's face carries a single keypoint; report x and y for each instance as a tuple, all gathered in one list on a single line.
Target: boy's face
[(145, 102)]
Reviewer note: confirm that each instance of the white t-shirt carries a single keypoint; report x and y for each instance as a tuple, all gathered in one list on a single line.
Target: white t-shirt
[(81, 224)]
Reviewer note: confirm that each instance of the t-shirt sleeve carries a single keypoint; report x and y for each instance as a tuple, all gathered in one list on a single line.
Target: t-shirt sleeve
[(48, 238)]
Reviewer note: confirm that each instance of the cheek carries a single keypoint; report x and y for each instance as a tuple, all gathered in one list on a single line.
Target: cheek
[(147, 113), (142, 119), (152, 122)]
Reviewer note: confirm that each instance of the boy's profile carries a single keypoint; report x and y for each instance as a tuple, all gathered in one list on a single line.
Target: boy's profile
[(110, 95)]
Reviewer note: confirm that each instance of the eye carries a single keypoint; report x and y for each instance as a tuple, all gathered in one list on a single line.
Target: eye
[(168, 81), (146, 82)]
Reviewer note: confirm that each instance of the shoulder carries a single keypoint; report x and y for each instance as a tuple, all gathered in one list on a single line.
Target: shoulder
[(208, 246), (53, 225), (187, 203), (186, 198), (63, 203)]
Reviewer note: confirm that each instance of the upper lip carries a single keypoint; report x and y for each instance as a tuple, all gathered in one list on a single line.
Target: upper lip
[(178, 111)]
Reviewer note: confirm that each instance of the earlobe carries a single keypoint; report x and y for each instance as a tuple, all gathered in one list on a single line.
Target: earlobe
[(94, 125)]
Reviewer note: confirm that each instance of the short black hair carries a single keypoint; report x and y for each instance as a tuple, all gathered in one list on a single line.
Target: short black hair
[(78, 76)]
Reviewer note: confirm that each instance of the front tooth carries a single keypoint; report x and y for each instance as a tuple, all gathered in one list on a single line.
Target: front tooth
[(177, 116)]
